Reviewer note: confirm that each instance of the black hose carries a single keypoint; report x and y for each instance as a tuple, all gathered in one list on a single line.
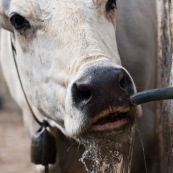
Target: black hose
[(152, 95)]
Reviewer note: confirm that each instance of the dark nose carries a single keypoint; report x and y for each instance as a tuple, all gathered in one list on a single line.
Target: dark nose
[(99, 88)]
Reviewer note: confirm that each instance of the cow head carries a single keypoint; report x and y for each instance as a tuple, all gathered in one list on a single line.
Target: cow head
[(69, 64)]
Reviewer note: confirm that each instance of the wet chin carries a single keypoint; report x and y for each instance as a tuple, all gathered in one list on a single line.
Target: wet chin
[(118, 137), (107, 152)]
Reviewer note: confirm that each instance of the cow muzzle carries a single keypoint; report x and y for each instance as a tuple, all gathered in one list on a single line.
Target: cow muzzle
[(102, 93)]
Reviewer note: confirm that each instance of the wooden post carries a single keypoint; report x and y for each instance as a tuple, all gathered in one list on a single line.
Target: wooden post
[(164, 123)]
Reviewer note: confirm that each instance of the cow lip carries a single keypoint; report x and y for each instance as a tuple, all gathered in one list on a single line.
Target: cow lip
[(111, 121)]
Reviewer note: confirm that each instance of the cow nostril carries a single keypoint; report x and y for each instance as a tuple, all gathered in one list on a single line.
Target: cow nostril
[(122, 83), (125, 82), (82, 91)]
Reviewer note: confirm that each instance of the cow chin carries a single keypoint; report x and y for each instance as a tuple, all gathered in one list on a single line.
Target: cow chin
[(121, 136)]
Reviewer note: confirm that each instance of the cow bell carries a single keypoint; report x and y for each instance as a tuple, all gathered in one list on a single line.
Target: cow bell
[(43, 147)]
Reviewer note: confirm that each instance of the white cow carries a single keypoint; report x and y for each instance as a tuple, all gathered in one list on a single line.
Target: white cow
[(70, 68)]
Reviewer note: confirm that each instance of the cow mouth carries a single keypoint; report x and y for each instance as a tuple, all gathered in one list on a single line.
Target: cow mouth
[(112, 121)]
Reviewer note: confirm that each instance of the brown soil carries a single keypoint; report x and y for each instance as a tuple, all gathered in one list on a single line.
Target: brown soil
[(14, 142)]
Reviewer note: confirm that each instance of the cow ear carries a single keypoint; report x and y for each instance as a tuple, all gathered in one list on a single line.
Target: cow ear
[(4, 10)]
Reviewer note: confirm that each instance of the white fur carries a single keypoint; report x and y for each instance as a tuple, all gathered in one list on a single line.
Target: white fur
[(65, 36)]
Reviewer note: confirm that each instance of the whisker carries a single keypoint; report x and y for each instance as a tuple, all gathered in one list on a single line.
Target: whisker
[(79, 144), (71, 146), (131, 153), (143, 149)]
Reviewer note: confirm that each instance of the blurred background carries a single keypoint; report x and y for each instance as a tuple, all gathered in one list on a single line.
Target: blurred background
[(14, 140)]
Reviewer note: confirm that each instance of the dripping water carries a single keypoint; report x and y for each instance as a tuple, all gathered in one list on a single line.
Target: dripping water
[(106, 155)]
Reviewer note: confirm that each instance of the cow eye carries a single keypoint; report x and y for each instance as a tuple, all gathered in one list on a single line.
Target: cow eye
[(111, 5), (19, 22)]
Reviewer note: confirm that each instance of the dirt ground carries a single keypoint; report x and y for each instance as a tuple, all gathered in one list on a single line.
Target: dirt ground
[(14, 142)]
